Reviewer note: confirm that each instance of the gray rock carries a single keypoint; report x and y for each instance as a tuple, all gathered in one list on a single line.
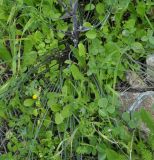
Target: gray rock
[(137, 101), (128, 99), (150, 67)]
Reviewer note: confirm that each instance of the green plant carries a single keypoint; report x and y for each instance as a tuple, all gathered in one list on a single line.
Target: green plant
[(65, 60)]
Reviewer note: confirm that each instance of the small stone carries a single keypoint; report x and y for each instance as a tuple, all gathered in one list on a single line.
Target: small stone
[(150, 67), (128, 98), (134, 80)]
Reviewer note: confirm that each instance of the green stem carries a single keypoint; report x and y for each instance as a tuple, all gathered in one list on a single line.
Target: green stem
[(149, 22)]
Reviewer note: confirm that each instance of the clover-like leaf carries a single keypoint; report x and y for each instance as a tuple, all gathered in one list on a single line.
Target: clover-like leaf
[(59, 118), (89, 7), (91, 34), (82, 50), (28, 102), (77, 75), (103, 102)]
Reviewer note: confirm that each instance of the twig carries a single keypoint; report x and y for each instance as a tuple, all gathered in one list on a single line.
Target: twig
[(136, 90), (130, 153), (102, 23), (62, 4), (75, 33)]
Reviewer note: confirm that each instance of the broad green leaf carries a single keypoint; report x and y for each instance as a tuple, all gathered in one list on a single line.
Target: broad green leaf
[(47, 10), (29, 58), (111, 109), (113, 155), (54, 44), (141, 8), (55, 16), (55, 107), (52, 101), (66, 112), (49, 134), (151, 40), (29, 2), (137, 47), (149, 33), (35, 112), (37, 37), (147, 119), (58, 118), (110, 2), (28, 102), (2, 114), (12, 14), (28, 25), (132, 124), (115, 93), (103, 102), (62, 26), (89, 7), (126, 116), (82, 50), (87, 24), (1, 2), (102, 112), (145, 38), (47, 122), (125, 33), (65, 90), (6, 86), (4, 53), (3, 13), (101, 156), (123, 4), (28, 45), (50, 11), (20, 2), (77, 75), (9, 134), (84, 149), (100, 8), (91, 34), (130, 23), (61, 35), (96, 47), (2, 109)]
